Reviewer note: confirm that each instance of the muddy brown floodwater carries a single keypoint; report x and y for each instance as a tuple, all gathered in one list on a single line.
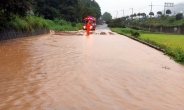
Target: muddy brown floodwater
[(96, 72)]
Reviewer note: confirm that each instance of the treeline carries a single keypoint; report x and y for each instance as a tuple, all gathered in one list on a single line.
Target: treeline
[(69, 10), (143, 20), (154, 21)]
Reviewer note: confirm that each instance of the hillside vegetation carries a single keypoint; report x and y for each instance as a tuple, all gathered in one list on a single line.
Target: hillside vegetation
[(29, 14), (166, 21)]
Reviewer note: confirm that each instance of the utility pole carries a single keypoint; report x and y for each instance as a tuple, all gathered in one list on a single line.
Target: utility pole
[(164, 7), (132, 12), (151, 10), (151, 6), (150, 15), (116, 14), (123, 12)]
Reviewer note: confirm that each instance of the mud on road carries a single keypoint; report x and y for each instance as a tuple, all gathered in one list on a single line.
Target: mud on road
[(72, 71)]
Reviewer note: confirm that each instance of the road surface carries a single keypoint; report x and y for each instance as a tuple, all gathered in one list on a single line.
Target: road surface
[(103, 71)]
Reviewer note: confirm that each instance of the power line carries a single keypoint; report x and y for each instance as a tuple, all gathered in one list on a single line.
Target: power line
[(141, 8)]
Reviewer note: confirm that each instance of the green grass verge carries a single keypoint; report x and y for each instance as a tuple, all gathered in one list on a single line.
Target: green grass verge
[(172, 41), (172, 44), (30, 23), (62, 25), (27, 23)]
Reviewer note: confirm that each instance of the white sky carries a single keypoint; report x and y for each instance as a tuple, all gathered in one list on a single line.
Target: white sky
[(141, 6)]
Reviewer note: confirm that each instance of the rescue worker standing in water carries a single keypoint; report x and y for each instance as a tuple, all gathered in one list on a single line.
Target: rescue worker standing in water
[(88, 27)]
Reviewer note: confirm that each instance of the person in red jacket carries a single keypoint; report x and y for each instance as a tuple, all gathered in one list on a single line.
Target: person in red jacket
[(88, 27)]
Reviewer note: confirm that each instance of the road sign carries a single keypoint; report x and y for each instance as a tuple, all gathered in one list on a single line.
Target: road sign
[(169, 4)]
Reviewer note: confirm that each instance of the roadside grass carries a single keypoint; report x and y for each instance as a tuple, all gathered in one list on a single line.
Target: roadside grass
[(123, 31), (172, 41), (173, 45), (62, 25), (30, 23)]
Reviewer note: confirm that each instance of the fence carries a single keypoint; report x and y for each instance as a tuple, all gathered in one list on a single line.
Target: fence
[(173, 29)]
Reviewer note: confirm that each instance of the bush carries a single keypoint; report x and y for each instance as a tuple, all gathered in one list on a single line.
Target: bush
[(27, 23), (134, 33), (62, 25), (179, 16), (136, 28), (73, 24), (177, 54), (115, 23)]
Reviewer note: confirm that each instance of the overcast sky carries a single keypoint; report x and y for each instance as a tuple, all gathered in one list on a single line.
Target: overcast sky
[(112, 6)]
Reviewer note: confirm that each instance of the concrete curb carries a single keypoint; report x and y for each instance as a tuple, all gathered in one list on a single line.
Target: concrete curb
[(12, 33)]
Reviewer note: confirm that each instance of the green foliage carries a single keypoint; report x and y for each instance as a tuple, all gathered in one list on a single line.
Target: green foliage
[(106, 16), (177, 23), (151, 13), (159, 13), (9, 8), (124, 31), (172, 44), (179, 16), (177, 54), (166, 21), (116, 23), (136, 28), (143, 15), (69, 10), (134, 15), (134, 33), (62, 25), (18, 7), (139, 14), (13, 13), (168, 11), (27, 23)]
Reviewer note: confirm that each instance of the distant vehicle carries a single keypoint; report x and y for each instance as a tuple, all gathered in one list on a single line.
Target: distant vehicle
[(92, 22)]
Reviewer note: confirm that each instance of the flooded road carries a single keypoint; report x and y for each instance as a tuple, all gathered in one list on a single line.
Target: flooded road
[(96, 72)]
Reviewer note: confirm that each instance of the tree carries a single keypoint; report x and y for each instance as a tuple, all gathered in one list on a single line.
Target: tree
[(19, 7), (168, 11), (139, 14), (159, 13), (123, 18), (143, 15), (151, 14), (69, 10), (179, 16), (127, 17), (9, 8), (106, 16), (134, 15), (65, 9)]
